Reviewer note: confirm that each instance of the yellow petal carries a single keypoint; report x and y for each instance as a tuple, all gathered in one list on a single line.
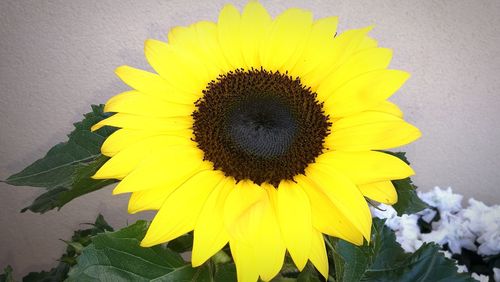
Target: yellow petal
[(159, 124), (187, 38), (364, 92), (343, 194), (268, 243), (250, 217), (151, 199), (343, 46), (133, 102), (320, 43), (366, 167), (388, 108), (326, 217), (360, 63), (294, 216), (245, 260), (318, 253), (124, 138), (370, 131), (180, 210), (286, 40), (127, 160), (152, 84), (207, 35), (359, 119), (367, 43), (177, 66), (209, 233), (228, 27), (182, 35), (243, 211), (160, 171), (382, 192), (254, 24)]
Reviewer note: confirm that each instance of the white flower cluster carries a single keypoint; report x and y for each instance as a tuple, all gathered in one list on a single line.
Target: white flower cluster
[(458, 227)]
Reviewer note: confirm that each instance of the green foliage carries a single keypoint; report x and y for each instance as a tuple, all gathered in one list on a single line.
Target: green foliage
[(117, 256), (80, 239), (58, 273), (97, 255), (66, 169), (408, 201), (7, 275), (182, 243), (384, 260), (309, 274), (225, 272)]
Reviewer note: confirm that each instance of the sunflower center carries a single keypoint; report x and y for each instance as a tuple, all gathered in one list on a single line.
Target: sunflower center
[(259, 125), (262, 126)]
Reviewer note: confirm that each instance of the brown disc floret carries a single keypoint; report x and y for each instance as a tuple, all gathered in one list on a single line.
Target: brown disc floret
[(259, 125)]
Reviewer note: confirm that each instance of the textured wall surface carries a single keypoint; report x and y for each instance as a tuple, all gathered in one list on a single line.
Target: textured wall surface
[(57, 57)]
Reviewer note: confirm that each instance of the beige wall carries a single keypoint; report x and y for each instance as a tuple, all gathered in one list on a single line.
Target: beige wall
[(57, 57)]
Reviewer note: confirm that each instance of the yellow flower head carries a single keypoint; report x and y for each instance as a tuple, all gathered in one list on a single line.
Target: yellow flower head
[(261, 133)]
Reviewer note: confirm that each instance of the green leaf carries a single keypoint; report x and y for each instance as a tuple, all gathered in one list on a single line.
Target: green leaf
[(225, 272), (426, 264), (58, 273), (384, 260), (79, 239), (66, 169), (385, 251), (117, 256), (355, 261), (182, 243), (352, 261), (408, 201), (7, 275), (309, 274), (100, 225)]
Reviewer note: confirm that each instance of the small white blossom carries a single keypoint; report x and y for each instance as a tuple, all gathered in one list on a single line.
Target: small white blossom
[(451, 230), (484, 222), (427, 214), (457, 227), (408, 232), (443, 200), (480, 277), (496, 274), (462, 268)]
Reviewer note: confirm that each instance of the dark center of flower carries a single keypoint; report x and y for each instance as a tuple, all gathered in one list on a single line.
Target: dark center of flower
[(262, 126), (259, 125)]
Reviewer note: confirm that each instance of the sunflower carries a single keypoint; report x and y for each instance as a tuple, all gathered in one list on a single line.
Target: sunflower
[(258, 132)]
